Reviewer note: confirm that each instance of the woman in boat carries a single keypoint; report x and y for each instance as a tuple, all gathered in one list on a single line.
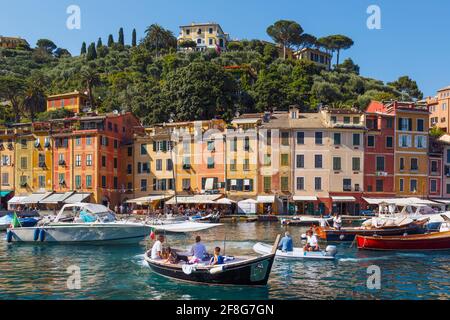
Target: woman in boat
[(172, 257), (217, 258)]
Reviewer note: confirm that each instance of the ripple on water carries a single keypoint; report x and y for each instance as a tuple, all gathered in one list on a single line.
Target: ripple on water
[(120, 272)]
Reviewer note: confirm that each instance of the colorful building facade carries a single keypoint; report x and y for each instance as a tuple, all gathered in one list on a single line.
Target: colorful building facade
[(379, 155), (73, 101), (205, 35)]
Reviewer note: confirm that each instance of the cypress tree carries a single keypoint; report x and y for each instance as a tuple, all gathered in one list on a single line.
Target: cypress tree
[(83, 48), (110, 41), (133, 40), (91, 53), (121, 37), (99, 43)]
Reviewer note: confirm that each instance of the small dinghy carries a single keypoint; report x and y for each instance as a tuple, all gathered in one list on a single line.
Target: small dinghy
[(328, 254)]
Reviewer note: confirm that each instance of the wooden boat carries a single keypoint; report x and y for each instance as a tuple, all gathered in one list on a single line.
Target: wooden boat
[(243, 271), (298, 254), (431, 241), (349, 233)]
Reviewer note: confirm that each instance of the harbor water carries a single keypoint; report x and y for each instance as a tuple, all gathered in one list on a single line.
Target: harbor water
[(119, 272)]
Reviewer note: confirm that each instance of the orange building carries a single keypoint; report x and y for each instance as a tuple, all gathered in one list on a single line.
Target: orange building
[(439, 109), (89, 155), (411, 148), (73, 101)]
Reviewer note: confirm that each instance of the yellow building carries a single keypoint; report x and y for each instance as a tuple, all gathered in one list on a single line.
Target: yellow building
[(411, 148), (319, 57), (33, 158), (6, 165), (205, 35), (153, 167), (242, 157)]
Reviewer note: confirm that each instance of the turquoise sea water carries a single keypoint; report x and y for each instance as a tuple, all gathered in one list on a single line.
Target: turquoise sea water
[(119, 272)]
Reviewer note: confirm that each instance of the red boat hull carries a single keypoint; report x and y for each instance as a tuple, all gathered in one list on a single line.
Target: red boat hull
[(434, 241)]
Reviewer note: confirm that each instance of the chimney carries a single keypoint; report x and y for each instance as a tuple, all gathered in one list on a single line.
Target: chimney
[(294, 112)]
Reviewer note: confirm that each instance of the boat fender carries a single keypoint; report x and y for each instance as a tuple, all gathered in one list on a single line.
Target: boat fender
[(42, 235), (331, 250), (9, 236), (36, 234), (341, 237)]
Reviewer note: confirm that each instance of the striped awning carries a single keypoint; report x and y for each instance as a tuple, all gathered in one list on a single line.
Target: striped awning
[(36, 198), (78, 197), (56, 198), (343, 199)]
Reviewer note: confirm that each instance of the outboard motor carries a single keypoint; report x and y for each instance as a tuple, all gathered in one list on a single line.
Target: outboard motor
[(331, 250)]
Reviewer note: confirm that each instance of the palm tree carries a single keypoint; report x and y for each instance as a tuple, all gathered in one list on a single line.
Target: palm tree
[(90, 78), (35, 98), (158, 38)]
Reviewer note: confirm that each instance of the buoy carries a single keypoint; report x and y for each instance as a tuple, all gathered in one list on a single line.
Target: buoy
[(36, 234), (9, 236), (42, 235)]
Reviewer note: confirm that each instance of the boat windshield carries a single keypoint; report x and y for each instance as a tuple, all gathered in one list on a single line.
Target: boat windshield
[(85, 213)]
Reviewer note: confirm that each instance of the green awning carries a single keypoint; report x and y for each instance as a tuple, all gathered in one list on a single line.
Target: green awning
[(4, 193)]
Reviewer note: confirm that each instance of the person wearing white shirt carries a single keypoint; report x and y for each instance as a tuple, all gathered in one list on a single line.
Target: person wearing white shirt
[(157, 248), (312, 244), (337, 222)]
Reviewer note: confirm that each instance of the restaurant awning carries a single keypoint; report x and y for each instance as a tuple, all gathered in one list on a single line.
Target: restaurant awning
[(78, 197), (17, 199), (5, 193), (36, 198), (56, 198), (265, 199), (225, 201), (195, 199), (149, 199), (304, 198), (343, 199), (248, 201), (377, 201)]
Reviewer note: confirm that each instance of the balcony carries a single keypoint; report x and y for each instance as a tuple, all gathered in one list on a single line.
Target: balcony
[(62, 162), (42, 165)]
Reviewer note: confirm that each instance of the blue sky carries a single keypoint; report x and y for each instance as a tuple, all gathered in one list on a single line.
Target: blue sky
[(414, 39)]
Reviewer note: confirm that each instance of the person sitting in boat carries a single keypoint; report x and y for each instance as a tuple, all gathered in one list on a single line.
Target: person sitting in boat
[(171, 256), (286, 244), (157, 250), (312, 244), (217, 258), (198, 251), (337, 221)]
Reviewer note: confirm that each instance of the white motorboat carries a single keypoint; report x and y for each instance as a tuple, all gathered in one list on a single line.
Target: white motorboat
[(298, 254), (81, 223), (183, 227)]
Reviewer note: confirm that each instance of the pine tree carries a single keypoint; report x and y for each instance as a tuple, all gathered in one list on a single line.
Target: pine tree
[(121, 37), (91, 53), (133, 40), (99, 43), (110, 41), (83, 48)]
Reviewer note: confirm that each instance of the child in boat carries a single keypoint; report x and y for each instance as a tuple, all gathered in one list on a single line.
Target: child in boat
[(217, 258)]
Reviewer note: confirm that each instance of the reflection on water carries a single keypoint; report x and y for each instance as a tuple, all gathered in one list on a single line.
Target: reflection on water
[(119, 272)]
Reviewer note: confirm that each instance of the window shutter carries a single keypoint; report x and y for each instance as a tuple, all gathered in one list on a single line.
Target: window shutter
[(410, 124), (154, 146), (251, 184), (164, 146)]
